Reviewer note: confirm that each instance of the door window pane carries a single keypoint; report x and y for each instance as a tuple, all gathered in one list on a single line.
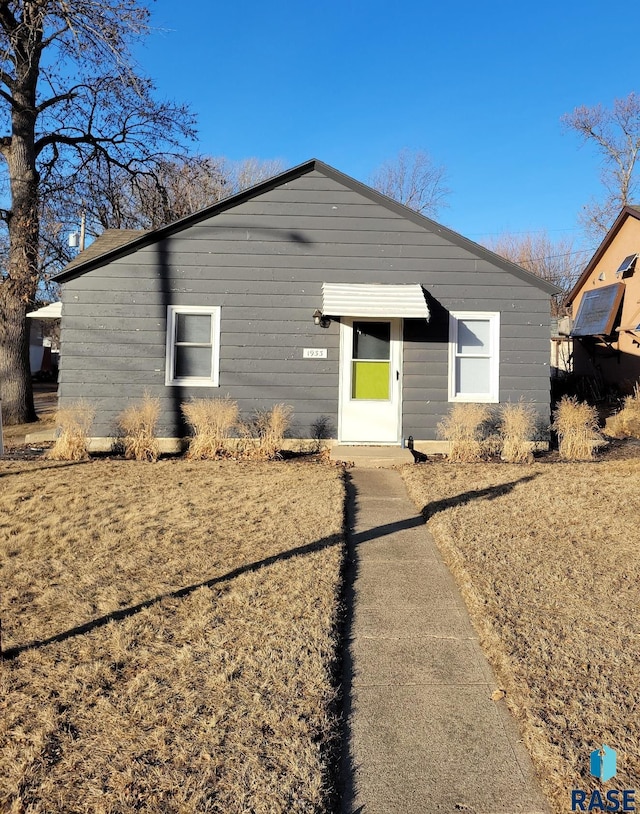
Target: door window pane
[(370, 380), (372, 340)]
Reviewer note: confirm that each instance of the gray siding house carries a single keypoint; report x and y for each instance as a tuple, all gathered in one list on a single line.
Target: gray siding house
[(310, 289)]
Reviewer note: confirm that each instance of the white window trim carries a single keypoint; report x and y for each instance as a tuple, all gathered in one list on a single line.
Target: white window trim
[(493, 396), (192, 381)]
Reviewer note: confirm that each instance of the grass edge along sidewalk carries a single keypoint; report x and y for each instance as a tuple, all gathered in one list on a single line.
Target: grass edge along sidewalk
[(547, 558)]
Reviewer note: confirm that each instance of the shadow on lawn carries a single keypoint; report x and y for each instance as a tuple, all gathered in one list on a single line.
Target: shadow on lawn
[(47, 465), (325, 542), (125, 613), (490, 493)]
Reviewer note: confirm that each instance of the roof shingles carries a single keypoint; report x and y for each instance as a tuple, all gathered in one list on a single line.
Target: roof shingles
[(110, 239)]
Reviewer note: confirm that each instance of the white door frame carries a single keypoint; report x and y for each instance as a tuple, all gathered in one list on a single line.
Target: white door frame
[(346, 402)]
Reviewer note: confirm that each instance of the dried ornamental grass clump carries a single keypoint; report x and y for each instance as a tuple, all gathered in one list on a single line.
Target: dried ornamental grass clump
[(576, 423), (138, 425), (72, 436), (265, 432), (463, 428), (517, 429), (211, 421), (626, 423)]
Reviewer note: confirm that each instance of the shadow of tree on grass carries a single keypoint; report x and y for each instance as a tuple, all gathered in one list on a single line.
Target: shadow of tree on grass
[(356, 539), (490, 493)]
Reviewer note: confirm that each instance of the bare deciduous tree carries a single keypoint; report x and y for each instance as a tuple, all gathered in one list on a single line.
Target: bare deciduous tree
[(559, 262), (412, 179), (169, 190), (615, 133), (172, 189), (70, 101), (247, 172)]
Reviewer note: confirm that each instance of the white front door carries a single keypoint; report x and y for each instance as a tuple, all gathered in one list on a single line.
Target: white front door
[(370, 381)]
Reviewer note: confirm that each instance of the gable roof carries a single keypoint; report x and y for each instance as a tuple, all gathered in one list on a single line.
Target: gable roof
[(628, 211), (108, 241), (86, 262)]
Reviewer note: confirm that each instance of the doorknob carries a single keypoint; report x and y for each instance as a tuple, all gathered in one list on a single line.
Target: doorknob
[(397, 375)]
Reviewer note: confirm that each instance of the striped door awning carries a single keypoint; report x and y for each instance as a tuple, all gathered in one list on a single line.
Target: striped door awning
[(374, 300)]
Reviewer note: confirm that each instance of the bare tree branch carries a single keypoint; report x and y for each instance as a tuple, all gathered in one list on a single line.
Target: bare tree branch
[(616, 135), (412, 179), (559, 262), (106, 116), (163, 190)]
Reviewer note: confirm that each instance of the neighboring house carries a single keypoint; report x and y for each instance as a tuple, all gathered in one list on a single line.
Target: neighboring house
[(309, 289), (43, 342), (605, 307)]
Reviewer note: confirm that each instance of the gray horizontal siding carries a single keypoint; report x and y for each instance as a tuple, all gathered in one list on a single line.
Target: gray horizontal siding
[(264, 262), (282, 320), (297, 241), (114, 351), (304, 372), (153, 303)]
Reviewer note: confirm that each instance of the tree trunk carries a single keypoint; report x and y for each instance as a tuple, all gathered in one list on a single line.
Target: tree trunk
[(18, 289), (16, 390)]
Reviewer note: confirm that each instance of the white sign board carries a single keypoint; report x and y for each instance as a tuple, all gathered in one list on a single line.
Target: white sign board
[(314, 353)]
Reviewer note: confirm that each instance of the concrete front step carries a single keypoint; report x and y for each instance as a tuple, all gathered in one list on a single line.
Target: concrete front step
[(371, 457)]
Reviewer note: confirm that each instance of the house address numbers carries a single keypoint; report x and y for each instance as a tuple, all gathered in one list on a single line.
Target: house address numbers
[(314, 353)]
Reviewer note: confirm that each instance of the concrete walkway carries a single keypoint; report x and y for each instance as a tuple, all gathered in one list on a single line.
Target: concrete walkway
[(424, 735)]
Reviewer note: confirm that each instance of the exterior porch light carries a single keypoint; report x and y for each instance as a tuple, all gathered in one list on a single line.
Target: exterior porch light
[(320, 319)]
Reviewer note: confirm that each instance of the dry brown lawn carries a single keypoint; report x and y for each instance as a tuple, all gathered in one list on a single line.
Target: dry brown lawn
[(169, 633), (548, 560), (45, 401)]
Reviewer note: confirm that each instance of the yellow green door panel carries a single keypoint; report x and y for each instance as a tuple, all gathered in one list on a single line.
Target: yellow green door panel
[(370, 380)]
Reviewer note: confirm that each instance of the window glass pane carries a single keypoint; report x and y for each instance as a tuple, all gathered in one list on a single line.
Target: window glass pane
[(474, 336), (191, 361), (473, 376), (372, 340), (193, 328)]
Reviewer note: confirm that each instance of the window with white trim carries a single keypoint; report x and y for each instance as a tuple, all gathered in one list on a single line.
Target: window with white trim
[(474, 354), (193, 345)]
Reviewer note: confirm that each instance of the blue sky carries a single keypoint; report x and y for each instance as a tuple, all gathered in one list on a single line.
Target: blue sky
[(480, 86)]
